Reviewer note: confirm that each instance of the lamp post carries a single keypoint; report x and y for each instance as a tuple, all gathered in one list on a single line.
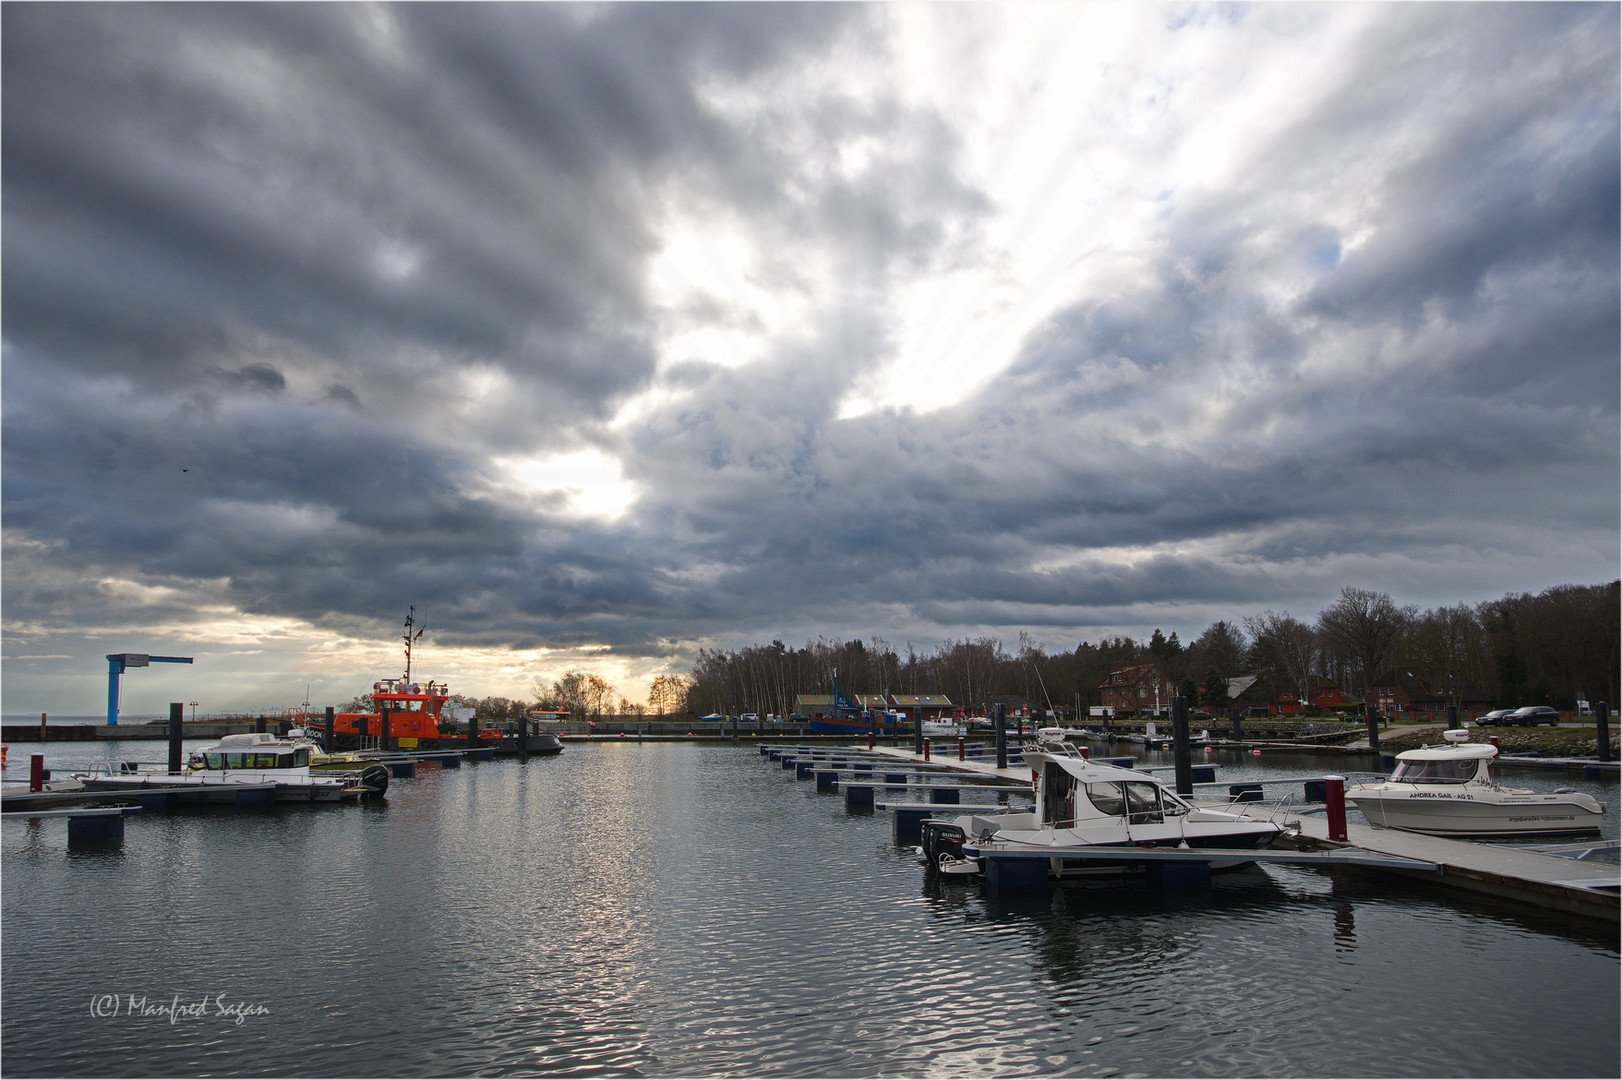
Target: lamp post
[(194, 712)]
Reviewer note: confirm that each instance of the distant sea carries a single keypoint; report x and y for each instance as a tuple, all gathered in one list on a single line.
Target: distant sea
[(67, 720)]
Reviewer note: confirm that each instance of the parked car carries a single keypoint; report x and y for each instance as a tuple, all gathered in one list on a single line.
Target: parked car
[(750, 718), (1497, 716), (1534, 715)]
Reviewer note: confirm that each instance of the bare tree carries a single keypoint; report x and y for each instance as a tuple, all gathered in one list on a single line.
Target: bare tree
[(1364, 628)]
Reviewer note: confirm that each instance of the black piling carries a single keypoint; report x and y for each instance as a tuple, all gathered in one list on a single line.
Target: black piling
[(259, 725), (917, 731), (523, 737), (385, 715), (177, 720), (1452, 716), (1602, 724), (1002, 740), (1373, 719), (326, 734), (1182, 764), (1238, 724), (473, 731)]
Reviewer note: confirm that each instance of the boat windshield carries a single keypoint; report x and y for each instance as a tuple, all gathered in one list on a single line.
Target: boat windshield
[(1458, 771)]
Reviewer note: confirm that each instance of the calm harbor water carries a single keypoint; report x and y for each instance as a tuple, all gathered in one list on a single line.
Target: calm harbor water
[(692, 910)]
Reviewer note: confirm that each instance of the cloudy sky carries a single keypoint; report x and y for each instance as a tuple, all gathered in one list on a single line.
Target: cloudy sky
[(603, 333)]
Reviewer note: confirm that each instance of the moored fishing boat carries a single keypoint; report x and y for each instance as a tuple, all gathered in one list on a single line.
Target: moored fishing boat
[(216, 774), (1450, 790), (1086, 805)]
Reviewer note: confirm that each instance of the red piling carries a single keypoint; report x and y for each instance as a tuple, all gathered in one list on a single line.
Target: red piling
[(1335, 805)]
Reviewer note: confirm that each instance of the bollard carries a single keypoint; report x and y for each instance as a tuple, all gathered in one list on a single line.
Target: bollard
[(36, 772), (870, 740), (177, 719), (1335, 806), (1602, 728), (962, 749), (926, 749), (1182, 766)]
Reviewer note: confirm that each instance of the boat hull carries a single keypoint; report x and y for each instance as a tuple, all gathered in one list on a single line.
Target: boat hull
[(226, 792), (1482, 814)]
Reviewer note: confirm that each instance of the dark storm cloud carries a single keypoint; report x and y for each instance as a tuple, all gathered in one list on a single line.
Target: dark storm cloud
[(284, 282)]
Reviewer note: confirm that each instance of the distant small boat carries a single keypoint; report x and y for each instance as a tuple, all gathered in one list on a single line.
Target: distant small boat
[(1450, 790)]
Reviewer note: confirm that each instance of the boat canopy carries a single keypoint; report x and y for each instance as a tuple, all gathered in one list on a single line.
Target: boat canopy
[(1450, 753)]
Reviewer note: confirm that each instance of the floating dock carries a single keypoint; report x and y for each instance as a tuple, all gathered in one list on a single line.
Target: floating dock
[(1504, 871)]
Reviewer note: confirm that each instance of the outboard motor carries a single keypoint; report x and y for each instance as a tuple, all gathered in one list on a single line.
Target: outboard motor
[(375, 779), (942, 838)]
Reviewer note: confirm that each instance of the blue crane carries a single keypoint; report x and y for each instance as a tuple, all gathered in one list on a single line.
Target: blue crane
[(117, 663)]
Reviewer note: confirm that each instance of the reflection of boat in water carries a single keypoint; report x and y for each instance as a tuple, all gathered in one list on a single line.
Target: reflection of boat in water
[(215, 774), (1082, 804), (1450, 790)]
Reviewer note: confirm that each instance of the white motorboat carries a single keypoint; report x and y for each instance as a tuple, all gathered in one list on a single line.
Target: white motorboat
[(1450, 790), (1082, 804), (215, 774)]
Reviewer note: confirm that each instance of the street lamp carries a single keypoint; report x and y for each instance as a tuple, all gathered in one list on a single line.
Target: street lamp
[(194, 712)]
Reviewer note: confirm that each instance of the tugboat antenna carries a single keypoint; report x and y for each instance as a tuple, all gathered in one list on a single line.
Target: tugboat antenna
[(410, 637)]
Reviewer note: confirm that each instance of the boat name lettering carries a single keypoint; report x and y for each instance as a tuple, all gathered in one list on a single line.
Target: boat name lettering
[(174, 1009), (1442, 795)]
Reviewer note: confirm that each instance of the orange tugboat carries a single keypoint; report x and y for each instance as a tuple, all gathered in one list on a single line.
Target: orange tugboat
[(413, 710)]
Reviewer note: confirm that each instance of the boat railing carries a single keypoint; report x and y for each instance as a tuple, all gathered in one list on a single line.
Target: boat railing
[(123, 768)]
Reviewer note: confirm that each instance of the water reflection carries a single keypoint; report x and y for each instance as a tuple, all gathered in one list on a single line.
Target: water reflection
[(663, 910)]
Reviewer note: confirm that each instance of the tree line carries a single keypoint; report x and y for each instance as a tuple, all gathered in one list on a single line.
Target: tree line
[(1521, 649)]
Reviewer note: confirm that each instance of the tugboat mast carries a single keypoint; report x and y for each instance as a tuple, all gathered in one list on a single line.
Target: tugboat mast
[(410, 637)]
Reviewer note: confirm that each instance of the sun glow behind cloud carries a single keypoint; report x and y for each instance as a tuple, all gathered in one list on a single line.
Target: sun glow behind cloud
[(590, 483)]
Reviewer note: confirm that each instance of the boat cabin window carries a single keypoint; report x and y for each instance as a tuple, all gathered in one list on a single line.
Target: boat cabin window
[(1107, 798), (1143, 803), (1457, 771)]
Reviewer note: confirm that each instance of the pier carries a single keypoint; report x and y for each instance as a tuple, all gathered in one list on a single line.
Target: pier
[(1541, 878)]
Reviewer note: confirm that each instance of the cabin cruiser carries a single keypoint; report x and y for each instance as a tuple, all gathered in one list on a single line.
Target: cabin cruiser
[(1082, 804), (1450, 790), (216, 773)]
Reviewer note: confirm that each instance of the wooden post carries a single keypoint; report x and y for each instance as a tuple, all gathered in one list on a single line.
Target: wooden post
[(41, 727), (177, 717), (1602, 727), (1335, 806), (1182, 767)]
